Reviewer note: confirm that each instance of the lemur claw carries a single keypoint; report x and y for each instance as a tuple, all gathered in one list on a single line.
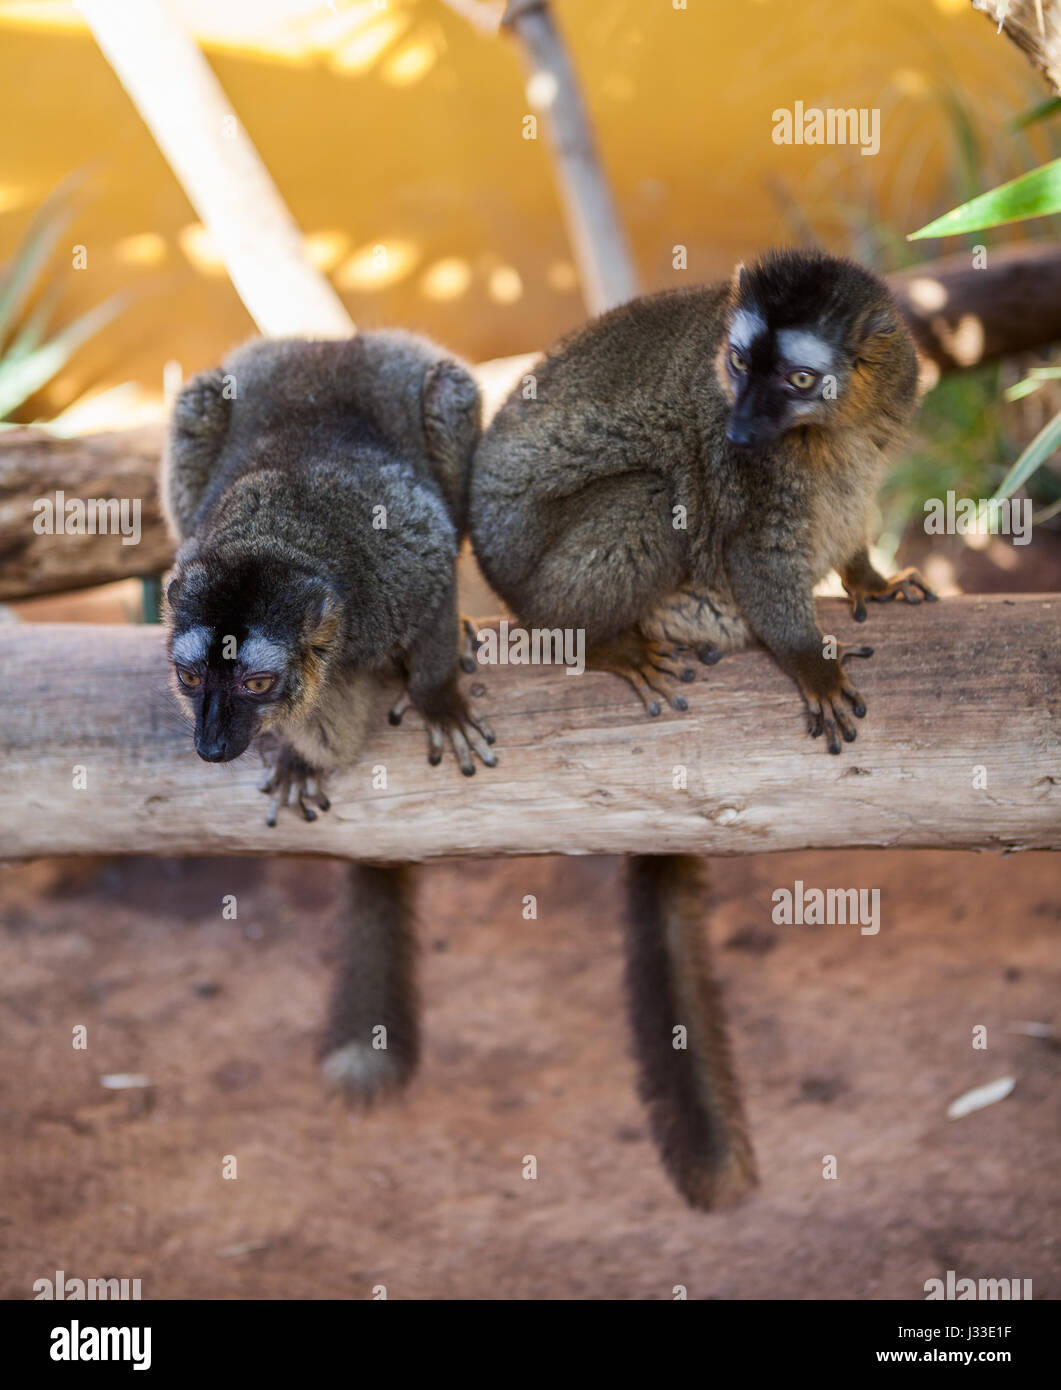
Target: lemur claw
[(292, 782)]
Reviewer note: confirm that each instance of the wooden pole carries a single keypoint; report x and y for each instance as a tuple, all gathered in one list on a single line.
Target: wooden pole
[(957, 692), (606, 269), (180, 100)]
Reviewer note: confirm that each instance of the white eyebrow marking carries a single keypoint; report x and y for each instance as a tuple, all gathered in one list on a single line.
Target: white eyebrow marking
[(747, 325), (802, 348), (192, 645), (259, 653)]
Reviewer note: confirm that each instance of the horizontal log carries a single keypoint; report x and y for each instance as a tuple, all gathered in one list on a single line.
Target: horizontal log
[(960, 316), (955, 686)]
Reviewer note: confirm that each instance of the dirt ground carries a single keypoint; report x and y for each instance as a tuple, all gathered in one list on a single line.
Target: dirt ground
[(849, 1045)]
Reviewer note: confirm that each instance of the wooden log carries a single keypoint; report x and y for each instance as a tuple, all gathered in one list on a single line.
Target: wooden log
[(957, 686), (960, 316), (37, 465)]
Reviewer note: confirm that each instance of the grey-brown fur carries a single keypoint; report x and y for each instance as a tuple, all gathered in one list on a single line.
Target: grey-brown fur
[(680, 480), (281, 466)]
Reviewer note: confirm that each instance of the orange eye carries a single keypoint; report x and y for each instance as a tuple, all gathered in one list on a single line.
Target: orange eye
[(259, 685), (188, 678)]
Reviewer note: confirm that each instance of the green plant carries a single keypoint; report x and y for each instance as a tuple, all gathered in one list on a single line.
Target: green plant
[(29, 359), (1035, 194)]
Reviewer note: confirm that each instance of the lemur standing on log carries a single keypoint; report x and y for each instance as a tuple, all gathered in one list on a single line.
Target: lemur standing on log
[(688, 467), (318, 491)]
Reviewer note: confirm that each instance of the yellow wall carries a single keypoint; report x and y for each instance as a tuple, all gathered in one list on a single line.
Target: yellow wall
[(411, 137)]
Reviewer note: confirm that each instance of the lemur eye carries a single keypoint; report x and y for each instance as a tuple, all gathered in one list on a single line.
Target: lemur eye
[(188, 678), (736, 361), (259, 685), (802, 379)]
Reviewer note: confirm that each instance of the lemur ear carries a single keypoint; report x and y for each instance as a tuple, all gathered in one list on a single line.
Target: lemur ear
[(738, 280), (322, 612), (879, 322)]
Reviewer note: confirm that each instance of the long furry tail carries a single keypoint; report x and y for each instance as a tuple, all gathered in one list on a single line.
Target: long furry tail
[(371, 1043), (691, 1092)]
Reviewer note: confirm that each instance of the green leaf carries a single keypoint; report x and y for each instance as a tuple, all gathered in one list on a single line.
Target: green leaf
[(36, 245), (26, 374), (1031, 383), (1045, 443), (1032, 195), (1050, 107)]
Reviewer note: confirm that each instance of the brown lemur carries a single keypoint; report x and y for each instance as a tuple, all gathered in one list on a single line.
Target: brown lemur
[(684, 471), (318, 490)]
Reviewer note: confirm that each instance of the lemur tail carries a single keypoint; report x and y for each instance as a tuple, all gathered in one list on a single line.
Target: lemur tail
[(375, 989), (691, 1092)]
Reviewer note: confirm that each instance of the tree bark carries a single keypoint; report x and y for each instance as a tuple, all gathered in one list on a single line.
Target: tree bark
[(957, 692), (1035, 27)]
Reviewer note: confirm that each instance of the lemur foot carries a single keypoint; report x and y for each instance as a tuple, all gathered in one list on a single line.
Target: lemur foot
[(829, 693), (291, 781), (907, 583), (648, 666), (447, 716)]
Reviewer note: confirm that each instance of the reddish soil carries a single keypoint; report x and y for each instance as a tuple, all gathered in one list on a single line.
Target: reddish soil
[(848, 1045)]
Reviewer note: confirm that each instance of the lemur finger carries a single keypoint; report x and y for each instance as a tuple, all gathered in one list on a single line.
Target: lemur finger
[(832, 743), (308, 813), (674, 671), (854, 699), (398, 709), (843, 723), (708, 653), (645, 691), (483, 727), (846, 651), (270, 815), (463, 752), (478, 744), (815, 718), (470, 644), (434, 744), (858, 608)]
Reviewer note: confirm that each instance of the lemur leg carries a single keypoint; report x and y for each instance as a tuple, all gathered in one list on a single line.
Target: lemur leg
[(691, 619), (779, 603), (862, 581), (291, 781), (431, 685)]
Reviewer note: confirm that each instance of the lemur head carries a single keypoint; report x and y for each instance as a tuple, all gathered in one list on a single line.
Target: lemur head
[(251, 639), (811, 340)]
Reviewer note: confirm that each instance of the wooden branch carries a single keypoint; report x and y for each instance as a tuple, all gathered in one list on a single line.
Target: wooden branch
[(605, 266), (180, 100), (37, 465), (960, 316), (953, 686), (1035, 27)]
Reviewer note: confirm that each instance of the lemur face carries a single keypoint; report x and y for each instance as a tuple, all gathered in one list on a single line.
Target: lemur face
[(248, 650), (799, 325), (779, 377)]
